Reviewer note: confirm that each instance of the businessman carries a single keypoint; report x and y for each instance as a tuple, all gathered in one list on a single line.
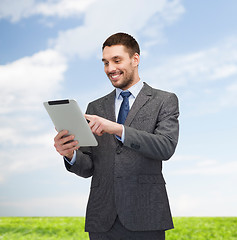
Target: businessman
[(137, 128)]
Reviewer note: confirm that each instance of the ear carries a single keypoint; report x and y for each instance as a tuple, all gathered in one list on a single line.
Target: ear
[(136, 59)]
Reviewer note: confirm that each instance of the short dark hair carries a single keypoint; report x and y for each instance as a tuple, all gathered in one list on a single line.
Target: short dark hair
[(123, 39)]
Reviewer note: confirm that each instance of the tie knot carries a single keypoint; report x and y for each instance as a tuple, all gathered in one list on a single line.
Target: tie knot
[(125, 94)]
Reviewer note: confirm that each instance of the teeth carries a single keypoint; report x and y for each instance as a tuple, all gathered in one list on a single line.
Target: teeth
[(115, 76)]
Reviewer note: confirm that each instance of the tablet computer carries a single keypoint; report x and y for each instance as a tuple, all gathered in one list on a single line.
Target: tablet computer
[(66, 115)]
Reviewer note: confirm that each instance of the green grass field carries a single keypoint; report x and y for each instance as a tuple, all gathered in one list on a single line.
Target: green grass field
[(65, 228)]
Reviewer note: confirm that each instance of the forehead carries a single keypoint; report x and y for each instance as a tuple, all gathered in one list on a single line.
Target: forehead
[(114, 51)]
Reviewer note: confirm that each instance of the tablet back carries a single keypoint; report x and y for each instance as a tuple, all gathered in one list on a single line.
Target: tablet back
[(66, 115)]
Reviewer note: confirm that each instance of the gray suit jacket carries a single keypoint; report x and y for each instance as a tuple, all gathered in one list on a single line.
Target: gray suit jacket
[(127, 178)]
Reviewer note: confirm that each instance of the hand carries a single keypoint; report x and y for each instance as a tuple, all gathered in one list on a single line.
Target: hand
[(100, 125), (65, 145)]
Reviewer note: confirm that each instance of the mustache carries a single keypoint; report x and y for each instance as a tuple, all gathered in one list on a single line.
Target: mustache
[(115, 72)]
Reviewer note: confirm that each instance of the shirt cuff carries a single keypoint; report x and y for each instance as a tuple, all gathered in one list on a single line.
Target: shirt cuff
[(73, 158), (123, 135)]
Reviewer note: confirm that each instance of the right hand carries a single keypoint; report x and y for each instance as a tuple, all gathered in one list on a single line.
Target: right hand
[(65, 145)]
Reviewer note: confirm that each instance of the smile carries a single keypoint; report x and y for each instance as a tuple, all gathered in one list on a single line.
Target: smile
[(115, 76)]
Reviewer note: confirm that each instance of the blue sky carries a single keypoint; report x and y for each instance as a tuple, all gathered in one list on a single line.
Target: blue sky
[(51, 49)]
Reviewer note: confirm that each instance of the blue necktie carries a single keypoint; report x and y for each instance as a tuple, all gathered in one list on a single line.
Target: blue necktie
[(124, 108)]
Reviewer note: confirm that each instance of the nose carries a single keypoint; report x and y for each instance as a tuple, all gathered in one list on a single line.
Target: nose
[(111, 68)]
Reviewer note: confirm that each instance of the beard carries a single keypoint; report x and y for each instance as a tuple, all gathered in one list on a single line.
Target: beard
[(125, 83)]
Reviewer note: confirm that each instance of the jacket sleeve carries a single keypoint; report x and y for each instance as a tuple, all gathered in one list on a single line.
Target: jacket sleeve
[(160, 144), (83, 165)]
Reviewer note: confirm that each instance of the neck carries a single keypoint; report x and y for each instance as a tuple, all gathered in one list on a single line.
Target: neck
[(135, 80)]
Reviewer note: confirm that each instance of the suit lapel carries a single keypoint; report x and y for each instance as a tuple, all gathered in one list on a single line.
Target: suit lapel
[(142, 98)]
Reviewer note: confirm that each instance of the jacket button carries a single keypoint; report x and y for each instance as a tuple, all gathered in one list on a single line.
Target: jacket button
[(118, 150), (135, 146)]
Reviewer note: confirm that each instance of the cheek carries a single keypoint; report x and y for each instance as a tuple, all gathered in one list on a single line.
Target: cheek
[(106, 70)]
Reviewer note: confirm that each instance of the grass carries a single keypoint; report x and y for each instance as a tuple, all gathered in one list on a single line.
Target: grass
[(64, 228), (35, 228), (203, 228)]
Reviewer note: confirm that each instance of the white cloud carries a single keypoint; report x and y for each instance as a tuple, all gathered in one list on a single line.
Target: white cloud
[(212, 204), (19, 9), (27, 81), (24, 85), (216, 63), (63, 8), (21, 158), (16, 10), (103, 18), (68, 205), (206, 78), (185, 204), (199, 165), (228, 99), (224, 71), (201, 186)]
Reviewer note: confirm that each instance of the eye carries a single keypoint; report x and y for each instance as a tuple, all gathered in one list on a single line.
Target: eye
[(106, 64)]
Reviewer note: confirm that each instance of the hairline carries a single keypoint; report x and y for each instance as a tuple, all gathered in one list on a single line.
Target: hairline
[(129, 50)]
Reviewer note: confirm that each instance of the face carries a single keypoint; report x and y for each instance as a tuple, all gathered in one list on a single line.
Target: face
[(121, 69)]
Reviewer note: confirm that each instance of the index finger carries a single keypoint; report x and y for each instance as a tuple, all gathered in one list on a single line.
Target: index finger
[(88, 116)]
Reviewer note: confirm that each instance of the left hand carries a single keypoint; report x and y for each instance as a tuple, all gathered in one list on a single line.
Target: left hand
[(100, 125)]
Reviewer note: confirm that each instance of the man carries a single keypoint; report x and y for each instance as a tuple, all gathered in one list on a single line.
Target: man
[(128, 197)]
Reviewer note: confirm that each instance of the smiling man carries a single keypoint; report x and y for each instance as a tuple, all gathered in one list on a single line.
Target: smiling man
[(136, 127), (121, 66)]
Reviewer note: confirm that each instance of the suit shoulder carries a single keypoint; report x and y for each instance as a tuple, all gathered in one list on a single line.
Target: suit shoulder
[(162, 94), (101, 99)]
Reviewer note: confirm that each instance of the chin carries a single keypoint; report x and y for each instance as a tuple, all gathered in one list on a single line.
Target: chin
[(121, 83), (116, 84)]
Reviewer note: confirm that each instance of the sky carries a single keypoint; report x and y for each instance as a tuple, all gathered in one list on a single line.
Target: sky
[(51, 50)]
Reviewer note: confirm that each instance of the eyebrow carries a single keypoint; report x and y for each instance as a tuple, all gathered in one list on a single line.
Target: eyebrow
[(114, 58)]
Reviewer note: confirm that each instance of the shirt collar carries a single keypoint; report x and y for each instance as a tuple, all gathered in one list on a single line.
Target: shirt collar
[(135, 89)]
